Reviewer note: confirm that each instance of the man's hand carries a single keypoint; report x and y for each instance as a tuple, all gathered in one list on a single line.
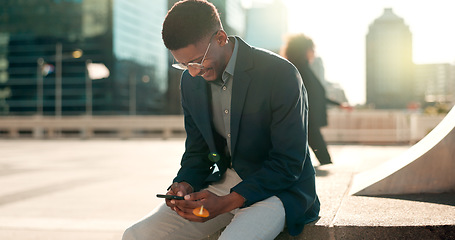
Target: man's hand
[(179, 189), (214, 204)]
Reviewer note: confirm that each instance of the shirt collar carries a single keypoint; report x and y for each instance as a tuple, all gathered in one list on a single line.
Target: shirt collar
[(229, 71)]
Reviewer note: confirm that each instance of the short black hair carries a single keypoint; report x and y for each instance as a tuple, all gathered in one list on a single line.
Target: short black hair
[(188, 22)]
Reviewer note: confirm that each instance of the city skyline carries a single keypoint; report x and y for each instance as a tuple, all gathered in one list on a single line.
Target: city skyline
[(339, 31)]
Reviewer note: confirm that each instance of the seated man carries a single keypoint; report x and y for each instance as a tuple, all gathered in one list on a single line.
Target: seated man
[(246, 158)]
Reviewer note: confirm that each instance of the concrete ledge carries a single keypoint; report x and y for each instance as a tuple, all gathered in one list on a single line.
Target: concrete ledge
[(313, 232), (373, 232), (353, 232), (343, 216)]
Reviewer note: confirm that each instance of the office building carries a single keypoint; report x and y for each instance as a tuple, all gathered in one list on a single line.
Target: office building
[(435, 83), (267, 24), (46, 44), (389, 66), (233, 16)]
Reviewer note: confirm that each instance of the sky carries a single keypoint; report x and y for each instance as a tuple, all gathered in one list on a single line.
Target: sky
[(339, 28)]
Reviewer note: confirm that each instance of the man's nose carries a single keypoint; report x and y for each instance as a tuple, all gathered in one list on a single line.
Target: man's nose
[(195, 71)]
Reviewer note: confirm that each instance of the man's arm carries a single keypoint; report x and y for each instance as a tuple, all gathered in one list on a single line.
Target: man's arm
[(195, 165)]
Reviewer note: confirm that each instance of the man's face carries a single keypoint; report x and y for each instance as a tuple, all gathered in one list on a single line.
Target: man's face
[(212, 64)]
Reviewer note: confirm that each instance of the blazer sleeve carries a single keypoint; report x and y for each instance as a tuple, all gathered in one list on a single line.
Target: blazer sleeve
[(195, 166)]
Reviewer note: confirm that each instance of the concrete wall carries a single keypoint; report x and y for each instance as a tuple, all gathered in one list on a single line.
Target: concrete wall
[(376, 127)]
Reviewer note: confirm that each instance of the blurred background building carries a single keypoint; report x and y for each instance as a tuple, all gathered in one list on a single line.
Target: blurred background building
[(389, 66), (123, 35), (266, 25), (435, 83), (47, 47)]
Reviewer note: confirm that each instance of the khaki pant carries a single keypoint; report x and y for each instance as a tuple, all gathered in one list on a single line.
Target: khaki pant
[(262, 220)]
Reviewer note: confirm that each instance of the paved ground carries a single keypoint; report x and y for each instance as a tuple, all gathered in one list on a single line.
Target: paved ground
[(74, 189)]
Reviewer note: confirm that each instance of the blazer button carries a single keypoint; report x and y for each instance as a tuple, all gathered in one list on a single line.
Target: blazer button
[(214, 157)]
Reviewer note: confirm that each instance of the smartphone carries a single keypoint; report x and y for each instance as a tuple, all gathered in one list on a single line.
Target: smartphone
[(169, 196)]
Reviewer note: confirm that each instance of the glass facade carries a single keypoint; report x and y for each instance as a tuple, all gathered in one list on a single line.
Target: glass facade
[(42, 70), (267, 23), (233, 16), (141, 58)]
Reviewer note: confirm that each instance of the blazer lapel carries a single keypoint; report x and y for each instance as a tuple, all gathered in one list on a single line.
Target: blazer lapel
[(240, 88), (203, 116)]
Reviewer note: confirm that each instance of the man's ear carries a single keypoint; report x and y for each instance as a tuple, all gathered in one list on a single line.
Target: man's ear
[(221, 38)]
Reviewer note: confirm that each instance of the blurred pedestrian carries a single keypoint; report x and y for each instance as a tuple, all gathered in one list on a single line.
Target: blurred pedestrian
[(299, 50)]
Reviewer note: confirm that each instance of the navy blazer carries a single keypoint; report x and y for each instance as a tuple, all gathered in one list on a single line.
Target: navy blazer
[(268, 135)]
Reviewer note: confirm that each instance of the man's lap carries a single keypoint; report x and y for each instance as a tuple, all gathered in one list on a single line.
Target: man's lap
[(262, 220)]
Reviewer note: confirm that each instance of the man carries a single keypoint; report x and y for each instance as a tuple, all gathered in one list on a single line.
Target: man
[(246, 157)]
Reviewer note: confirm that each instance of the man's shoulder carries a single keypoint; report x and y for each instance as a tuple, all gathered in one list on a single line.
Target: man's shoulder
[(262, 54), (269, 59), (267, 54)]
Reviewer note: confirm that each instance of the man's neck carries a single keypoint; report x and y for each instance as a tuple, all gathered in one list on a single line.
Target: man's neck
[(230, 48)]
